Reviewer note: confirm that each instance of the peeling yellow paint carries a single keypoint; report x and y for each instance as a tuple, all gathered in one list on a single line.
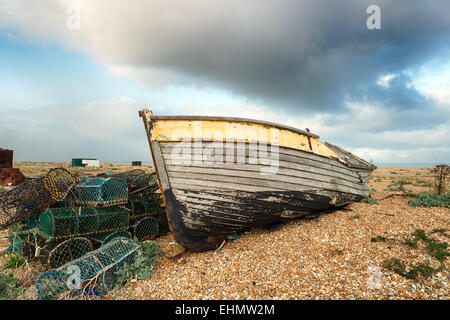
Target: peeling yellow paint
[(219, 130)]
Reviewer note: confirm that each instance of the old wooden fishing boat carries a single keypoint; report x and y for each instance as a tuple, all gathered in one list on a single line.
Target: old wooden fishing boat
[(219, 176)]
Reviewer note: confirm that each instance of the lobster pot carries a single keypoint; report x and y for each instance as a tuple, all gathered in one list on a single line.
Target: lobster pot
[(101, 192), (93, 274), (146, 228), (26, 245), (151, 227), (145, 203), (57, 223), (137, 179), (108, 236), (68, 250), (25, 226), (34, 195)]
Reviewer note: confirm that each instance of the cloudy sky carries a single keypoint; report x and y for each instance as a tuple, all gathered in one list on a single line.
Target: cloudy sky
[(72, 88)]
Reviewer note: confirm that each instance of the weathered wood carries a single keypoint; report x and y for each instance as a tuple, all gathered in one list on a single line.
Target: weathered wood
[(211, 185), (244, 199), (247, 205), (214, 220), (232, 189), (354, 161), (254, 171), (282, 165), (271, 182), (284, 155), (160, 165), (235, 119)]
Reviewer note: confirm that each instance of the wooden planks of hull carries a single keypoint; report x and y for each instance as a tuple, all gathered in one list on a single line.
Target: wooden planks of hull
[(208, 216), (212, 187), (246, 148), (289, 175), (289, 158)]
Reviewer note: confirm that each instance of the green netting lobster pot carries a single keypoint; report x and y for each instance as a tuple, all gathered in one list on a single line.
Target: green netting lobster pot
[(23, 238), (92, 274), (146, 228), (16, 244), (56, 223), (34, 195), (106, 237), (25, 226), (101, 192), (68, 250), (145, 203), (137, 179), (25, 244)]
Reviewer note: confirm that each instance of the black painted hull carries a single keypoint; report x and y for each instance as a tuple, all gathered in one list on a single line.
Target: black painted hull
[(203, 219)]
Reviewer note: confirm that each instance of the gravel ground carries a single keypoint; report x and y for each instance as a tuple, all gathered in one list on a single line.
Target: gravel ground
[(327, 258)]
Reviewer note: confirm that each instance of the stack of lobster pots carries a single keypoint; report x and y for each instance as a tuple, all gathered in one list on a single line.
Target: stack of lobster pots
[(60, 217)]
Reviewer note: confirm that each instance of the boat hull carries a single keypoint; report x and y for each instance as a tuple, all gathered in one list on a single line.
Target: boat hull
[(213, 186)]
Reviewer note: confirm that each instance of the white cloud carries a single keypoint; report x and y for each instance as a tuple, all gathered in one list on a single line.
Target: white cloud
[(108, 128), (439, 93), (384, 81), (435, 155)]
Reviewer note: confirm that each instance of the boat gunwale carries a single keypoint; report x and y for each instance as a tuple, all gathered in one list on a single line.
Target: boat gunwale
[(236, 119)]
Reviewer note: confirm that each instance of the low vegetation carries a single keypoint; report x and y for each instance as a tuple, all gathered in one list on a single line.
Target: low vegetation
[(423, 183), (142, 266), (399, 266), (436, 249), (369, 199), (9, 287), (378, 239), (430, 200), (14, 262)]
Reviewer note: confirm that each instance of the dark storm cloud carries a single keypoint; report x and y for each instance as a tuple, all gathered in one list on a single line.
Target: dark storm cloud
[(301, 55), (309, 55)]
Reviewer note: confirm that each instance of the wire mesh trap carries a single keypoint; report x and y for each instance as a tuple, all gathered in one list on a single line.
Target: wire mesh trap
[(58, 223), (68, 250), (101, 192), (145, 203), (25, 226), (27, 245), (137, 179), (93, 274), (106, 237), (147, 228), (151, 227), (163, 225), (34, 195)]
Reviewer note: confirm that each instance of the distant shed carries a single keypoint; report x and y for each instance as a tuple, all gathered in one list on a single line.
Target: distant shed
[(83, 162), (6, 158), (136, 163)]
